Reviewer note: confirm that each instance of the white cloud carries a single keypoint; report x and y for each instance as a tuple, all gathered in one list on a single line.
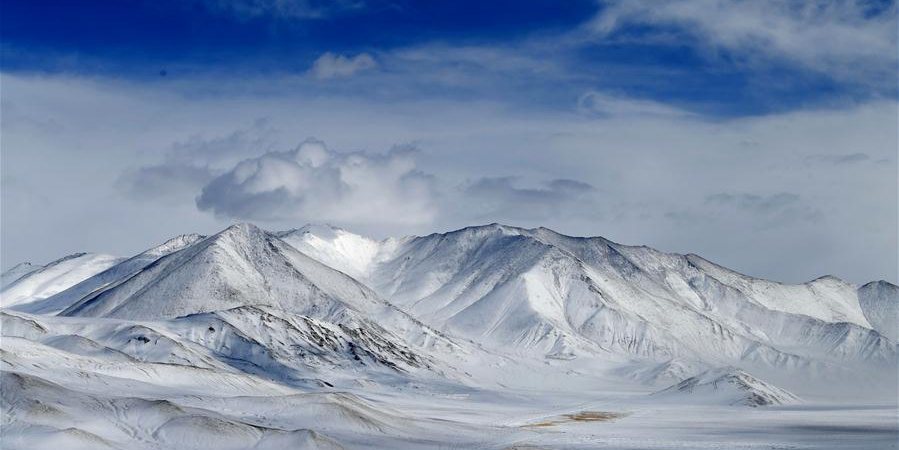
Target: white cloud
[(605, 104), (330, 65), (846, 39), (313, 183)]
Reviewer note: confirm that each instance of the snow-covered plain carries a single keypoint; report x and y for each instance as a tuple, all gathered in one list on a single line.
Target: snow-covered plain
[(489, 337)]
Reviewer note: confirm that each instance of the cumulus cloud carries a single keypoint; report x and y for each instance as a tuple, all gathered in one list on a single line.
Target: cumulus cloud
[(846, 39), (330, 65), (377, 190), (314, 183)]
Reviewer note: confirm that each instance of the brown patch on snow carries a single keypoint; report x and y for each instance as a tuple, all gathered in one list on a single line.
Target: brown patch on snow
[(582, 416)]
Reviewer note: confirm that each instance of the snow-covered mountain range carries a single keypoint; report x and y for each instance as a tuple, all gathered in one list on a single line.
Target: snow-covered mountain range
[(321, 316), (537, 290)]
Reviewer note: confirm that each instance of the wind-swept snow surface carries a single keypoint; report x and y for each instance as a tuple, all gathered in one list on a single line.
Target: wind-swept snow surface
[(55, 277), (485, 337), (108, 277)]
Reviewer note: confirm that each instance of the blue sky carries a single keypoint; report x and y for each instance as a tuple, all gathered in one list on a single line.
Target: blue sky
[(652, 58), (705, 126)]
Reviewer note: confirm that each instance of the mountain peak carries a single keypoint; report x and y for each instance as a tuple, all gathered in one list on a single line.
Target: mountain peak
[(826, 279), (485, 229), (241, 265), (240, 233), (241, 227), (879, 284)]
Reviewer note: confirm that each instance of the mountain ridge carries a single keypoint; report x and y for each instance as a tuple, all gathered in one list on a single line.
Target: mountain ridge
[(507, 288), (246, 337), (426, 292)]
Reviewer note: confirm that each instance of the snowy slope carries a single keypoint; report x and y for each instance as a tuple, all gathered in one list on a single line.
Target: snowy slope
[(826, 298), (16, 272), (62, 300), (55, 277), (246, 295), (879, 301), (53, 398), (239, 266), (513, 288), (116, 405), (728, 386), (319, 338), (349, 253)]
